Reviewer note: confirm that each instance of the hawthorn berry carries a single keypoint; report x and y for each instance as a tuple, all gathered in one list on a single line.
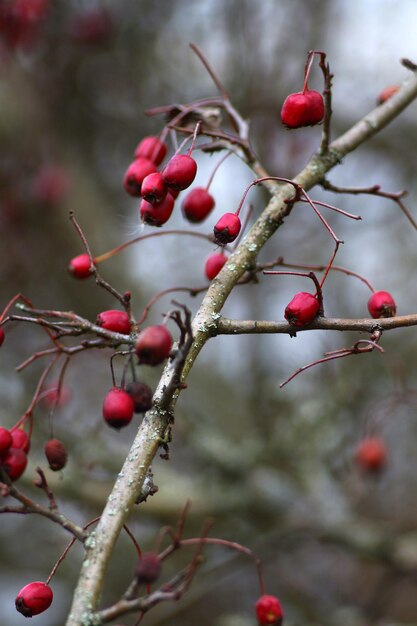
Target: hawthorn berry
[(154, 188), (117, 321), (118, 408), (153, 345), (227, 228), (151, 148), (302, 309), (214, 264), (180, 171), (157, 214), (148, 568), (268, 610), (387, 93), (20, 439), (197, 205), (2, 336), (6, 440), (34, 598), (141, 394), (80, 266), (56, 454), (14, 463), (371, 454), (382, 304), (135, 173), (302, 109)]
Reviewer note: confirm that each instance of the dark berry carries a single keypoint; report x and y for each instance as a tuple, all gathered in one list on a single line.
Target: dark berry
[(302, 309), (371, 454), (6, 440), (20, 439), (153, 345), (214, 264), (268, 610), (14, 463), (135, 173), (227, 228), (34, 598), (180, 171), (79, 266), (382, 304), (302, 109), (118, 408), (56, 454), (154, 188), (148, 568), (157, 214), (151, 148), (197, 204), (141, 394), (117, 321)]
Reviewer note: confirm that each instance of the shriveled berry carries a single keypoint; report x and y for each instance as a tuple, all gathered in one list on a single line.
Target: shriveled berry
[(14, 463), (79, 266), (148, 568), (302, 109), (118, 408), (2, 336), (141, 394), (117, 321), (6, 440), (268, 610), (387, 93), (20, 439), (157, 214), (34, 598), (180, 171), (154, 188), (151, 148), (153, 345), (135, 173), (371, 454), (214, 264), (382, 304), (227, 228), (56, 454), (197, 204), (302, 309)]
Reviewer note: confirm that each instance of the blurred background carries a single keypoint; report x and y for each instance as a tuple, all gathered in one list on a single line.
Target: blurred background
[(273, 468)]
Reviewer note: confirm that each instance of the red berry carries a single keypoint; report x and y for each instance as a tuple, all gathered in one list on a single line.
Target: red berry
[(141, 394), (302, 309), (269, 610), (382, 304), (2, 336), (154, 188), (79, 266), (151, 148), (118, 408), (157, 214), (51, 185), (117, 321), (34, 598), (214, 264), (6, 440), (371, 454), (14, 463), (302, 109), (387, 93), (135, 173), (56, 454), (180, 171), (148, 568), (153, 345), (227, 228), (20, 439), (197, 204)]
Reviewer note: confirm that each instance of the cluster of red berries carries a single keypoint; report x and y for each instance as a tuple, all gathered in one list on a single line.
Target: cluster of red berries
[(14, 448)]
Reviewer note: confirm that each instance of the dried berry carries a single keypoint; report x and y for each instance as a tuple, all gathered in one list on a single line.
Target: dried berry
[(268, 610), (148, 568), (180, 171), (34, 598), (56, 454), (79, 266), (382, 304), (153, 345), (302, 109), (302, 309), (214, 264), (227, 228), (118, 408), (141, 394), (117, 321), (197, 204)]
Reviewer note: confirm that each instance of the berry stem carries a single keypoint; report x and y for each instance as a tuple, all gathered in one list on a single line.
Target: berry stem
[(196, 131), (222, 160)]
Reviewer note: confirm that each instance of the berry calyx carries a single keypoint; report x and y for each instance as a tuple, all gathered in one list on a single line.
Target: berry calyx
[(302, 109), (118, 408), (2, 336), (371, 454), (56, 454), (14, 463), (227, 228), (157, 214), (153, 345), (148, 568), (387, 93), (268, 610), (6, 440), (180, 171), (197, 205), (33, 599), (154, 188), (141, 395), (20, 439), (302, 309), (214, 264), (151, 148), (117, 321), (135, 173), (381, 304), (79, 266)]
